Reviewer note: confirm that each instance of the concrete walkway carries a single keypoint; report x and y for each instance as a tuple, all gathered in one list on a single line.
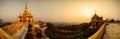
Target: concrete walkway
[(112, 31)]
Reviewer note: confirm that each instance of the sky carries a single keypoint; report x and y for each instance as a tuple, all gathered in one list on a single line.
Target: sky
[(69, 11)]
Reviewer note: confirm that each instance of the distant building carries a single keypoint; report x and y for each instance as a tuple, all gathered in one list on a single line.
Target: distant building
[(96, 21)]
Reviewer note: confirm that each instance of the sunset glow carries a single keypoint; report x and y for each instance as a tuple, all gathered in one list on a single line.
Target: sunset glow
[(60, 11), (87, 11)]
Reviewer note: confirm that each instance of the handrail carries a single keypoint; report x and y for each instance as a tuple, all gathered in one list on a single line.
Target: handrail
[(99, 33)]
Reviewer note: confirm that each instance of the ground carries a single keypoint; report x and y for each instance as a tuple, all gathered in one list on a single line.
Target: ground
[(112, 31)]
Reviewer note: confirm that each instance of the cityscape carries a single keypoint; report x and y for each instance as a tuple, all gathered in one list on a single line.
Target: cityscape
[(59, 19)]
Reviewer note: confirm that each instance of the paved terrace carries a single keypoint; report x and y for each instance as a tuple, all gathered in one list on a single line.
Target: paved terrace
[(110, 31)]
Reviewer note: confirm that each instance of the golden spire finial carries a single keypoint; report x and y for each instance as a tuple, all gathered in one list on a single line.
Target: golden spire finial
[(26, 6), (26, 9)]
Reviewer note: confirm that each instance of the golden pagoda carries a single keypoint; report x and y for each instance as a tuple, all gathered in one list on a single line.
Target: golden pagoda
[(26, 17)]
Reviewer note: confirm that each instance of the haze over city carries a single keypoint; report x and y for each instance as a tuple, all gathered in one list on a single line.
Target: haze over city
[(60, 10)]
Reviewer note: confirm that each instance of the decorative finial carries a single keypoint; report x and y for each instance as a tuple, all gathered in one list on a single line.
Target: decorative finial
[(26, 5), (95, 12), (26, 8)]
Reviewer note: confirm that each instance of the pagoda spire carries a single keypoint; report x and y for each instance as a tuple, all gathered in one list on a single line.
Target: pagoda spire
[(26, 9), (95, 12)]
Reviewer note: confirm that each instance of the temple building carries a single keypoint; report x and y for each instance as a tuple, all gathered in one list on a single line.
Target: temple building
[(96, 21), (26, 17), (22, 24)]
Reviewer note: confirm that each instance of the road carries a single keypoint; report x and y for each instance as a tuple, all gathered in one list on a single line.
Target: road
[(112, 31)]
